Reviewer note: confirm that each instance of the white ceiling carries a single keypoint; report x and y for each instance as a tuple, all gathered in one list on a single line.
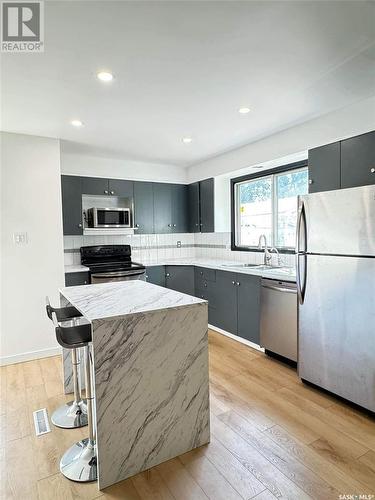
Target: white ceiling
[(183, 69)]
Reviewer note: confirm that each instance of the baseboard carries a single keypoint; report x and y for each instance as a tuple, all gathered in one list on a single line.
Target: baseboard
[(235, 337), (29, 356)]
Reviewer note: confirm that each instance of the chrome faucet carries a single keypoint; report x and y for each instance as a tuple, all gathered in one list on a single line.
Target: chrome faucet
[(267, 256), (279, 260)]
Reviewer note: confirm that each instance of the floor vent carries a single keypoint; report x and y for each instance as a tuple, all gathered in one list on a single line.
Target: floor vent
[(41, 422)]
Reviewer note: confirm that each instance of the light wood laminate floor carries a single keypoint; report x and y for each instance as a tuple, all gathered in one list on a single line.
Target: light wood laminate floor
[(271, 437)]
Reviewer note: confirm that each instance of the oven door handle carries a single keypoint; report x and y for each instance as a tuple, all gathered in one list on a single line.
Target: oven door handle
[(119, 274)]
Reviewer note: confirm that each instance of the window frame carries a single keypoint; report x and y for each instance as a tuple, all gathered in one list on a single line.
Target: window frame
[(264, 173)]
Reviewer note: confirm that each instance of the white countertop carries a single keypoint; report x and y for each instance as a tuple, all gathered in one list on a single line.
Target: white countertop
[(109, 300), (78, 268), (282, 273)]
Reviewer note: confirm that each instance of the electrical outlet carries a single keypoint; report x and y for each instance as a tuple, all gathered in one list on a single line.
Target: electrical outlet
[(20, 238), (179, 244)]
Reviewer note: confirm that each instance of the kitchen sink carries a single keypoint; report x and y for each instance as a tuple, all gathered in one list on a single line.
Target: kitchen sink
[(254, 266), (241, 265)]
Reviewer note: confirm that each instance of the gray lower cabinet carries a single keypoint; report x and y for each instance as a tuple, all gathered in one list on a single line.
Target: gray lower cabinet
[(358, 161), (248, 307), (180, 278), (224, 295), (143, 207), (156, 275), (71, 193), (233, 301), (75, 279), (324, 168)]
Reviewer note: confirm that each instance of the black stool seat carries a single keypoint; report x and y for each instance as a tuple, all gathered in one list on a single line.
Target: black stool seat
[(73, 333), (62, 313)]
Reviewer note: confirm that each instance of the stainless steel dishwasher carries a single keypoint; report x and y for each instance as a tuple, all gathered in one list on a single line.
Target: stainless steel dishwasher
[(278, 319)]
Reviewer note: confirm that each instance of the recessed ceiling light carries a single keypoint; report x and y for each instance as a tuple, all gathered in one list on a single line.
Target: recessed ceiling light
[(243, 111), (187, 140), (105, 76), (76, 123)]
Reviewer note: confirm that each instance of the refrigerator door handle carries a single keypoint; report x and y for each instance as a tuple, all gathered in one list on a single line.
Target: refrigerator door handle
[(301, 237), (301, 287)]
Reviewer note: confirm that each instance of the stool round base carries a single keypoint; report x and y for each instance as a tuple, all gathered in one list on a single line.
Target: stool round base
[(70, 415), (79, 462)]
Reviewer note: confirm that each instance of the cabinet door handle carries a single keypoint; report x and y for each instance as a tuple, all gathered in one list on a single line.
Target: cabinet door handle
[(80, 224), (311, 181), (205, 285), (146, 276), (85, 282), (197, 225), (372, 170), (167, 275), (137, 225), (106, 191), (174, 225), (112, 192), (201, 273), (169, 225), (233, 282), (238, 283)]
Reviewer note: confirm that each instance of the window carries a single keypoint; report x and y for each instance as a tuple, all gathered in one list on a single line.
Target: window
[(268, 205)]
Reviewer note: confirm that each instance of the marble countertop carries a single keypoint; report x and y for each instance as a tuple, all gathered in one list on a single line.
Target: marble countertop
[(282, 273), (78, 268), (277, 273), (109, 300)]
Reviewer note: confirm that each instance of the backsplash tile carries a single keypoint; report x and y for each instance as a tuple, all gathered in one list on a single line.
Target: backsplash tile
[(153, 247)]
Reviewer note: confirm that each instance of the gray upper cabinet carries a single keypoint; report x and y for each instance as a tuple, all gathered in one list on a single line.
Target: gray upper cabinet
[(162, 208), (95, 186), (248, 307), (358, 161), (343, 164), (158, 207), (206, 195), (193, 208), (180, 278), (179, 208), (143, 207), (71, 192), (170, 208), (119, 187), (324, 168), (201, 207)]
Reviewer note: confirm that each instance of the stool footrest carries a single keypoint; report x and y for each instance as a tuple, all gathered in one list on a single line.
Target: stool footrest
[(79, 463), (71, 415)]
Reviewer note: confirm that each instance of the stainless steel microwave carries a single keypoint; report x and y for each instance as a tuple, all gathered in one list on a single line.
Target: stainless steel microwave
[(108, 217)]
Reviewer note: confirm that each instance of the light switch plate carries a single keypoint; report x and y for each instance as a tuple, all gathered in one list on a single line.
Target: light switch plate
[(20, 238)]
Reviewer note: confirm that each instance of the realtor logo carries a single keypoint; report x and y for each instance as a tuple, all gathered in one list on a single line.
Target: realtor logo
[(22, 26)]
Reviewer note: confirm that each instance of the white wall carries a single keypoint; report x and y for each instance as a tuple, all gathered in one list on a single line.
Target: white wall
[(346, 122), (96, 166), (30, 202)]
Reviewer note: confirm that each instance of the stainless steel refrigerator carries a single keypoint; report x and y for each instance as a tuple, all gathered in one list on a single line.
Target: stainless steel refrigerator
[(336, 292)]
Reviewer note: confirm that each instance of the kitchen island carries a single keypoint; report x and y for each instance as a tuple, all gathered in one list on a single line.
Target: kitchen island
[(150, 358)]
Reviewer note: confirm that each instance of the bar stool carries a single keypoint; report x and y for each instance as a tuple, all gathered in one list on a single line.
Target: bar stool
[(79, 462), (72, 414)]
